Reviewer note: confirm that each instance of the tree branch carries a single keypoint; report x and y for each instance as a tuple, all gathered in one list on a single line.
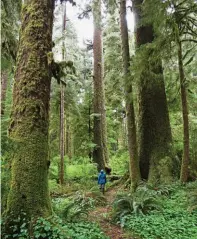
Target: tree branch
[(189, 40)]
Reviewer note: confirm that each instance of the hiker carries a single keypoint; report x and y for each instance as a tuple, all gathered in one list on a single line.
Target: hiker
[(102, 180)]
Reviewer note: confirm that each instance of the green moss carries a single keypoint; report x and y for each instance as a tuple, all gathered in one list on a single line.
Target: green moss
[(29, 120), (165, 166), (161, 166), (29, 189), (50, 57)]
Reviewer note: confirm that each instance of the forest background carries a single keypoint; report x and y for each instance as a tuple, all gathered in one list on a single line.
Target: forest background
[(124, 101)]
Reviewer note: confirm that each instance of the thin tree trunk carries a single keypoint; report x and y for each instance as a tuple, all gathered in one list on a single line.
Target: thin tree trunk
[(185, 160), (30, 114), (100, 150), (155, 140), (67, 137), (89, 128), (61, 179), (4, 81), (104, 131), (122, 139), (62, 118), (132, 141), (70, 143)]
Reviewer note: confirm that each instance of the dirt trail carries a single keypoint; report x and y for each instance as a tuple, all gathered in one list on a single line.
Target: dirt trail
[(101, 216)]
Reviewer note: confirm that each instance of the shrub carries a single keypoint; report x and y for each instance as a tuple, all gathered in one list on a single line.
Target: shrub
[(85, 171)]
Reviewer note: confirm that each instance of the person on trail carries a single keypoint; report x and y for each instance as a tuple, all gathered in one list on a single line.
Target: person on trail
[(102, 180)]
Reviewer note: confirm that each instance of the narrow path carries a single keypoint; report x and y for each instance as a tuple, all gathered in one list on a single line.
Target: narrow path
[(101, 216)]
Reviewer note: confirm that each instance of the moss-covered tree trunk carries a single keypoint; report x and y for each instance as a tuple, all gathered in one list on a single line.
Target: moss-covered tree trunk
[(100, 154), (4, 81), (185, 160), (28, 130), (154, 127), (131, 128)]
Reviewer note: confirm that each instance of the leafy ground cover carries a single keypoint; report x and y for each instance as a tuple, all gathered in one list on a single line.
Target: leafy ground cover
[(163, 212), (173, 221), (55, 228)]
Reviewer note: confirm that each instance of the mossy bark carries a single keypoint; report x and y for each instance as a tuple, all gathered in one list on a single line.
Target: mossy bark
[(131, 127), (4, 80), (100, 153), (28, 130), (154, 126)]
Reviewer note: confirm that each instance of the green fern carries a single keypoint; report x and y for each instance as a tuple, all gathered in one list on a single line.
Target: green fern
[(122, 205), (77, 208), (141, 202)]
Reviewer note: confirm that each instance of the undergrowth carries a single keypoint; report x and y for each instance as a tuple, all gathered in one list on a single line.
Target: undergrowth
[(68, 222), (177, 218), (56, 228)]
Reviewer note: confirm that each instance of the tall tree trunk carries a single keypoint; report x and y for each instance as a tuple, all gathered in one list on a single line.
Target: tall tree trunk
[(185, 160), (89, 127), (68, 138), (104, 131), (30, 113), (100, 154), (62, 119), (132, 140), (154, 126), (122, 139), (62, 135), (4, 81)]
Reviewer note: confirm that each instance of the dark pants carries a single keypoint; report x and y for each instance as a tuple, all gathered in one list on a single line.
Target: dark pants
[(102, 187)]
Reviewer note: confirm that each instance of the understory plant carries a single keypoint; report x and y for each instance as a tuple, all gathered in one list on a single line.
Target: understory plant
[(139, 203), (55, 228), (74, 208), (173, 221)]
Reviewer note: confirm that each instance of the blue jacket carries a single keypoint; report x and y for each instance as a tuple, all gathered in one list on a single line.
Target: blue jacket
[(102, 178)]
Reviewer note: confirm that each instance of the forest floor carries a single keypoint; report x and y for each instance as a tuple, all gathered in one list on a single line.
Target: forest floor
[(101, 215)]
